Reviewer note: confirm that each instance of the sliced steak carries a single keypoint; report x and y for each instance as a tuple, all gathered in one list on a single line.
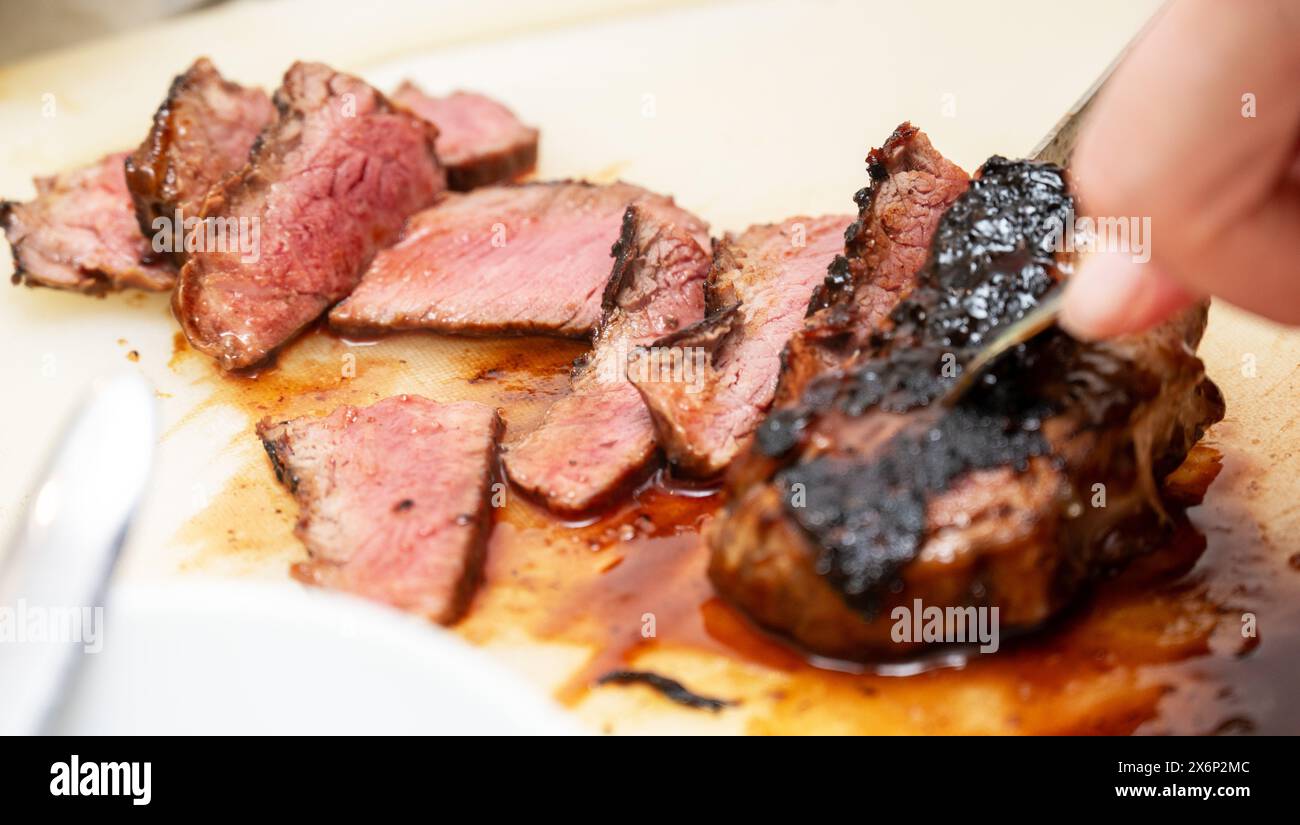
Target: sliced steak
[(394, 498), (202, 132), (529, 259), (327, 185), (869, 493), (594, 440), (757, 295), (480, 141), (80, 233), (911, 187)]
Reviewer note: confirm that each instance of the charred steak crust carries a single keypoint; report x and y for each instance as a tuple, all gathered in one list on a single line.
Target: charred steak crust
[(79, 233), (394, 498), (624, 252), (592, 443), (273, 443), (202, 131), (327, 185), (990, 262), (866, 495), (911, 185), (500, 166)]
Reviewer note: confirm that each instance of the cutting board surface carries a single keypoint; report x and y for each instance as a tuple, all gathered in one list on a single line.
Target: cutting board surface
[(745, 113)]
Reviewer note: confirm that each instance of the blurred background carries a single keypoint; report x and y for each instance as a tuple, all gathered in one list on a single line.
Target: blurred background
[(30, 28)]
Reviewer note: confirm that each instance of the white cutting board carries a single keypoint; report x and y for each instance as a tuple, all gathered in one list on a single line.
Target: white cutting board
[(746, 112)]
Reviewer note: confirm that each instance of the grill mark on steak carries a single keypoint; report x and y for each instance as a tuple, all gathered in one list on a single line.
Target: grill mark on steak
[(757, 293), (80, 233), (528, 259), (201, 132), (328, 184), (394, 498), (898, 211), (592, 442), (866, 495), (480, 141)]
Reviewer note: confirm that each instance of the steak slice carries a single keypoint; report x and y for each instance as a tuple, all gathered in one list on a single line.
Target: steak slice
[(480, 141), (80, 233), (394, 498), (869, 493), (529, 259), (202, 132), (594, 440), (327, 185), (911, 187), (757, 294)]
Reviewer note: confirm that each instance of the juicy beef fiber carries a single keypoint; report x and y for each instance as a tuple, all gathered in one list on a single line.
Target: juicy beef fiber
[(594, 440), (327, 185), (757, 295), (394, 498), (92, 229), (480, 141), (529, 259), (80, 233)]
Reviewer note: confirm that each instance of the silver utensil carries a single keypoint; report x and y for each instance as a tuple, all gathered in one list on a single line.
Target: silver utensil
[(1056, 147), (54, 572), (1040, 318)]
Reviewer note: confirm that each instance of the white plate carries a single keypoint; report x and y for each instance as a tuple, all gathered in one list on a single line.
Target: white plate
[(262, 658)]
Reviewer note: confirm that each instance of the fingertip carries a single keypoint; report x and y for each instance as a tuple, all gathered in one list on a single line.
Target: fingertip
[(1113, 295)]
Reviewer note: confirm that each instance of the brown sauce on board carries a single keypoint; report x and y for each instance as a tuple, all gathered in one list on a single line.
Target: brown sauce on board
[(1158, 648)]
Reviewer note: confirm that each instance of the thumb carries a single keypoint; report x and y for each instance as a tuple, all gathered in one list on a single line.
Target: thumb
[(1113, 295)]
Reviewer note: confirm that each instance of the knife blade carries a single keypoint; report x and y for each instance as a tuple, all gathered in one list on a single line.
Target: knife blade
[(54, 571)]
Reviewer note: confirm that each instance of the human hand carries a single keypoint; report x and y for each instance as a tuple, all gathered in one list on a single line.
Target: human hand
[(1199, 130)]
